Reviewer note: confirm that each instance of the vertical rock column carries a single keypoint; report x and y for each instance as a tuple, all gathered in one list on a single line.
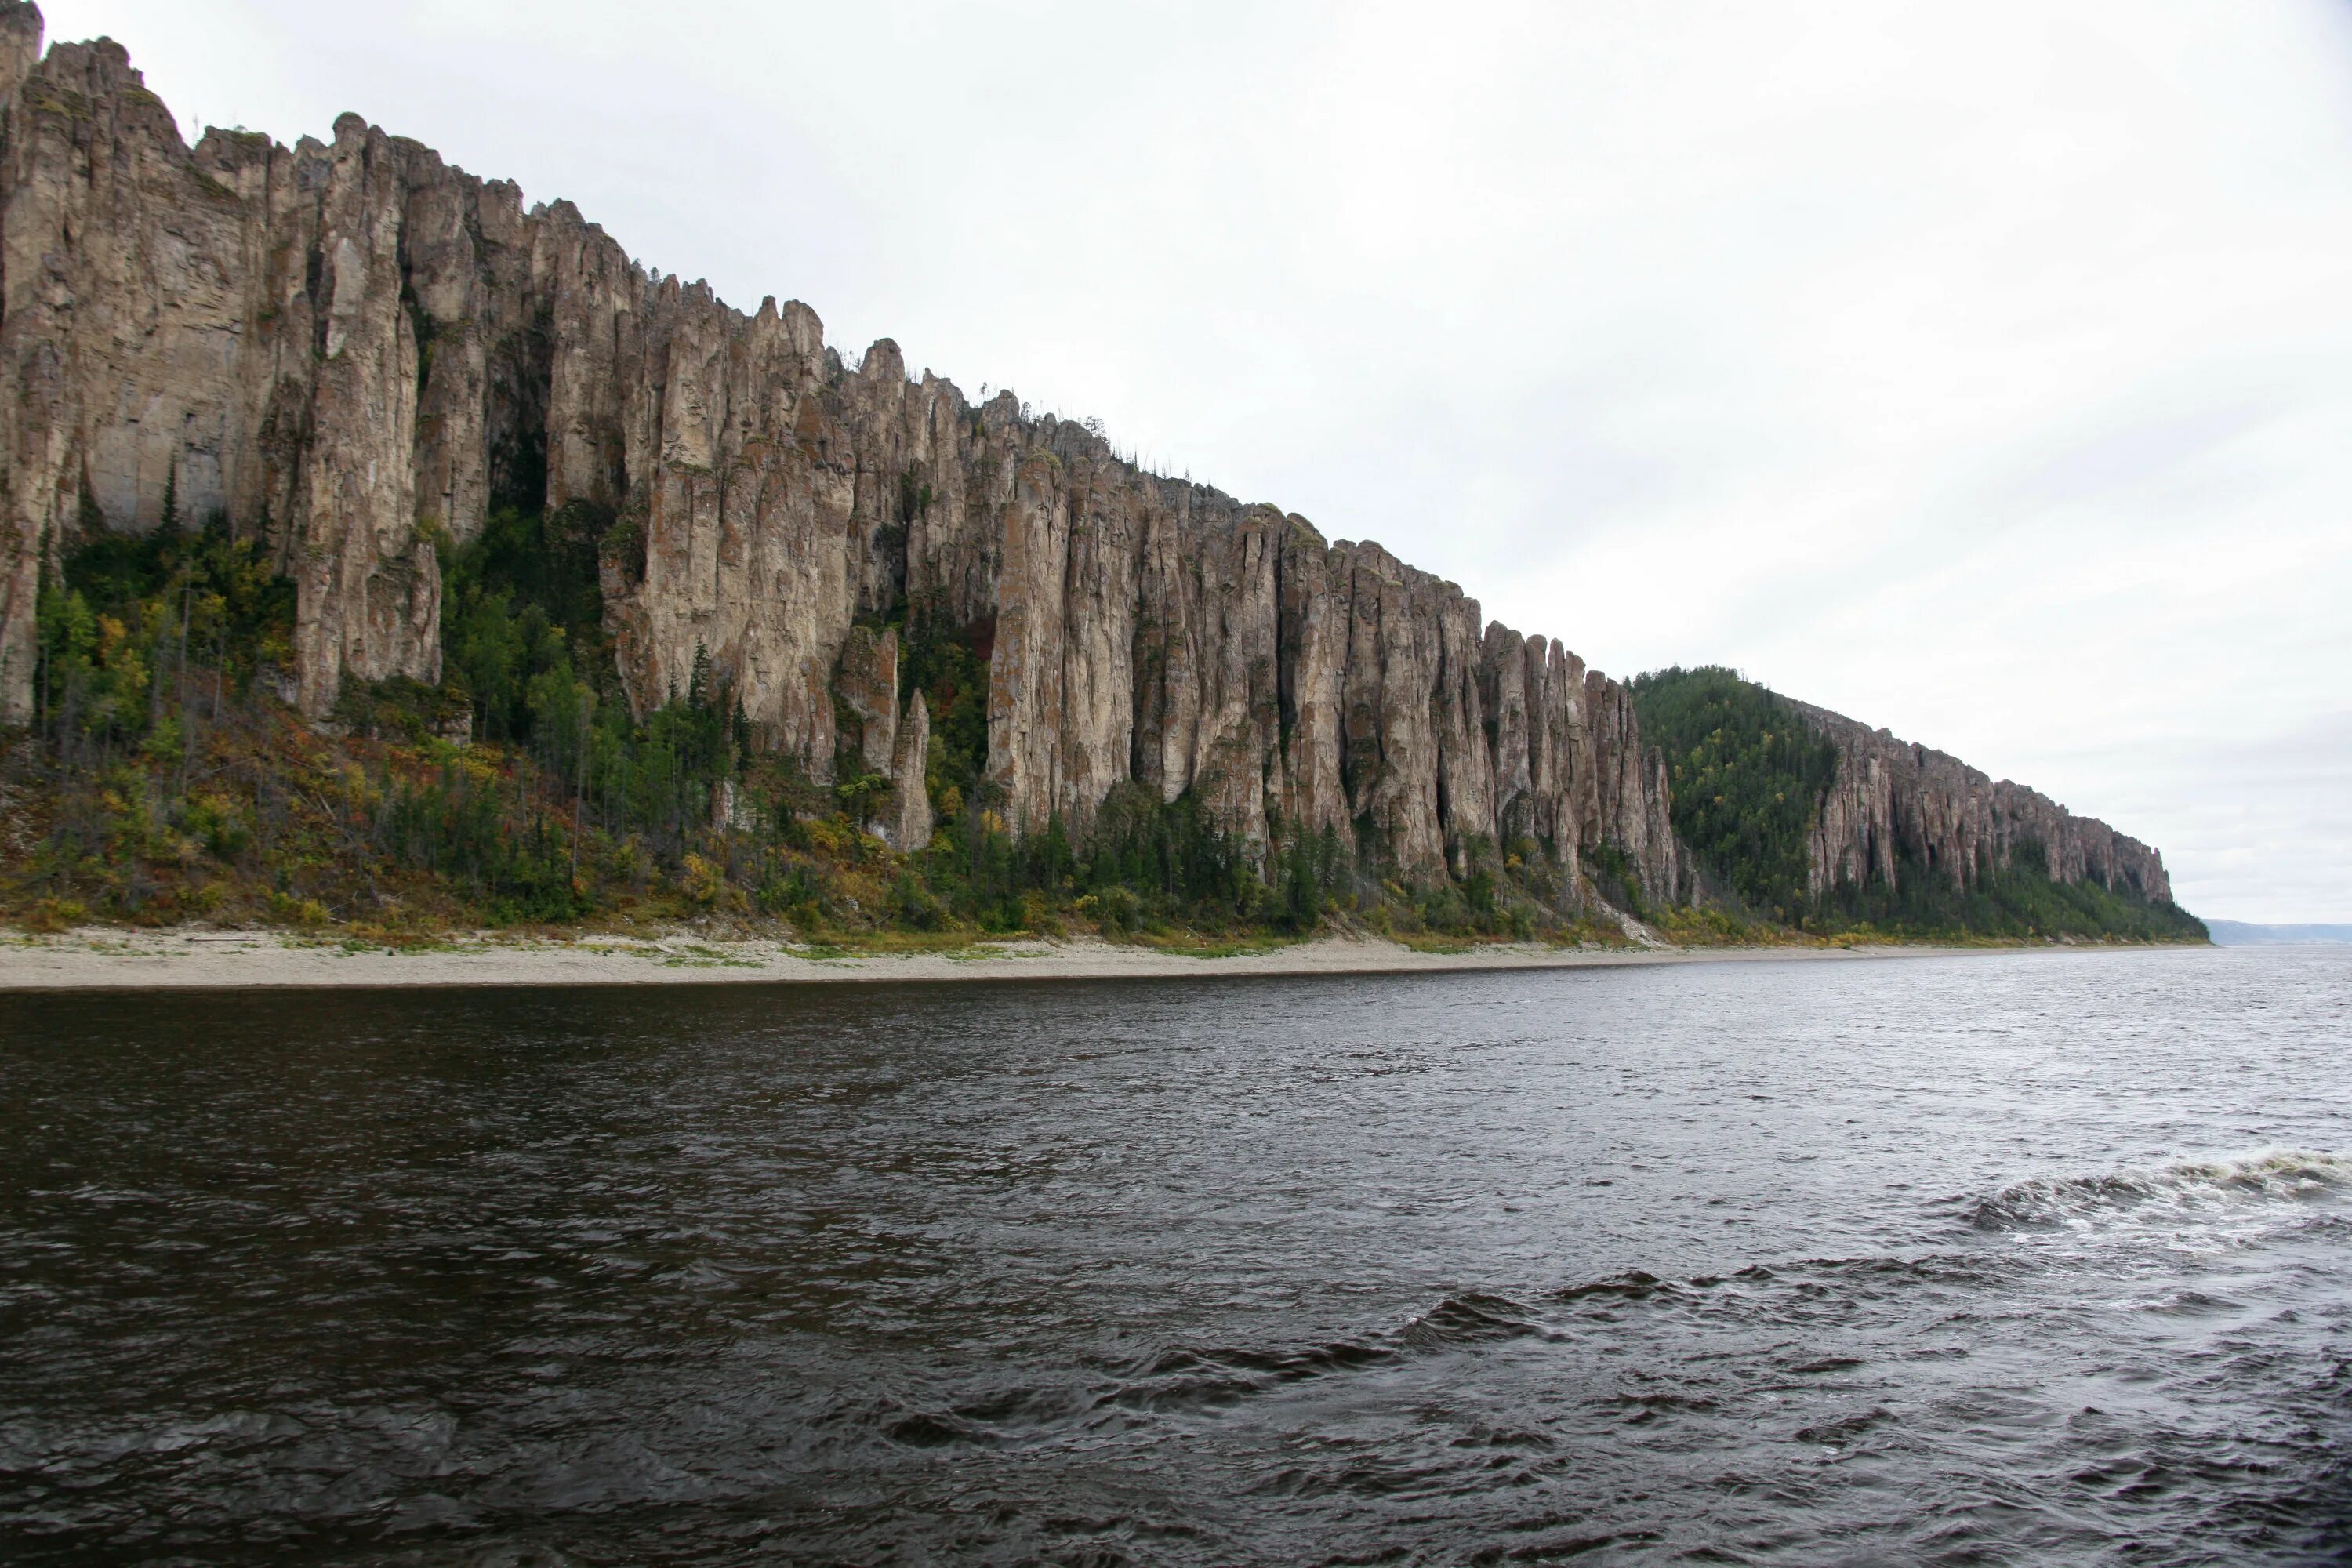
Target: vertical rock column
[(1465, 759), (1237, 738), (368, 586), (125, 284), (596, 302), (867, 685), (1024, 671), (1313, 637), (1100, 598), (1388, 726), (36, 489), (911, 809)]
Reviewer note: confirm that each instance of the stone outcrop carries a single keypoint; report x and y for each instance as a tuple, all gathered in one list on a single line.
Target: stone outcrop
[(355, 352), (877, 735), (910, 820), (1894, 807), (867, 683), (231, 328)]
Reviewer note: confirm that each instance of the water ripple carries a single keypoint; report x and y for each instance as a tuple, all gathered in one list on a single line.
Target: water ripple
[(1995, 1259)]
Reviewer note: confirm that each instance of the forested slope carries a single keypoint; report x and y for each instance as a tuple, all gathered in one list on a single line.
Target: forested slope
[(1810, 819)]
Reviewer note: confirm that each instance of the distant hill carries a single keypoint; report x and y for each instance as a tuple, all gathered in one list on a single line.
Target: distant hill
[(1813, 819), (2238, 934)]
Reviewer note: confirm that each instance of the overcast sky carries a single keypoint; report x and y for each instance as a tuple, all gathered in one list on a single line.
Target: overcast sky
[(1981, 371)]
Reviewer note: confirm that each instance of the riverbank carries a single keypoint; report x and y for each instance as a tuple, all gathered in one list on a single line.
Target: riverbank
[(93, 959)]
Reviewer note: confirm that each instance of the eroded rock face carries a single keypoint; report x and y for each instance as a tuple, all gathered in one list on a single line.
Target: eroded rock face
[(868, 686), (231, 328), (909, 828), (367, 584), (357, 351), (1893, 806)]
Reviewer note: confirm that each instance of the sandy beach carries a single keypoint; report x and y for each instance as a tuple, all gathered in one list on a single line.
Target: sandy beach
[(94, 959)]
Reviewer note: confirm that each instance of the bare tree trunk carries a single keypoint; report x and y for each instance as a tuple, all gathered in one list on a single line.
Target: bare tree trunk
[(187, 720), (580, 785)]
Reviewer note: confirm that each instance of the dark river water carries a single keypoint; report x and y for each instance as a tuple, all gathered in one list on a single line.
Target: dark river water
[(2019, 1258)]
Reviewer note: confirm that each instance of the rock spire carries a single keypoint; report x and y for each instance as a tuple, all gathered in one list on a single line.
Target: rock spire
[(355, 351)]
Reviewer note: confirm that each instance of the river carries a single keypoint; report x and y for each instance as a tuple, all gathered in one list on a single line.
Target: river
[(2021, 1258)]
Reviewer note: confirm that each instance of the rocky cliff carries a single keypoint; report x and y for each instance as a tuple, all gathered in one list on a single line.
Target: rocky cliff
[(354, 350), (1893, 805)]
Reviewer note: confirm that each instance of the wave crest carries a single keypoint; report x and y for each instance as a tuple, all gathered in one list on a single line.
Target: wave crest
[(2271, 1176)]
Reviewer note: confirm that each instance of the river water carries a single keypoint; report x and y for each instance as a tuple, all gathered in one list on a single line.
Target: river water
[(2014, 1258)]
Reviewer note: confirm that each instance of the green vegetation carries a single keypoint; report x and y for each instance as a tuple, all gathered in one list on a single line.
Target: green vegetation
[(1748, 775), (165, 780), (2019, 901), (950, 667), (520, 609)]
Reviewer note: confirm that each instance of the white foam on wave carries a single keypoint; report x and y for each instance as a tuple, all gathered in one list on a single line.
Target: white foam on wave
[(2267, 1176)]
